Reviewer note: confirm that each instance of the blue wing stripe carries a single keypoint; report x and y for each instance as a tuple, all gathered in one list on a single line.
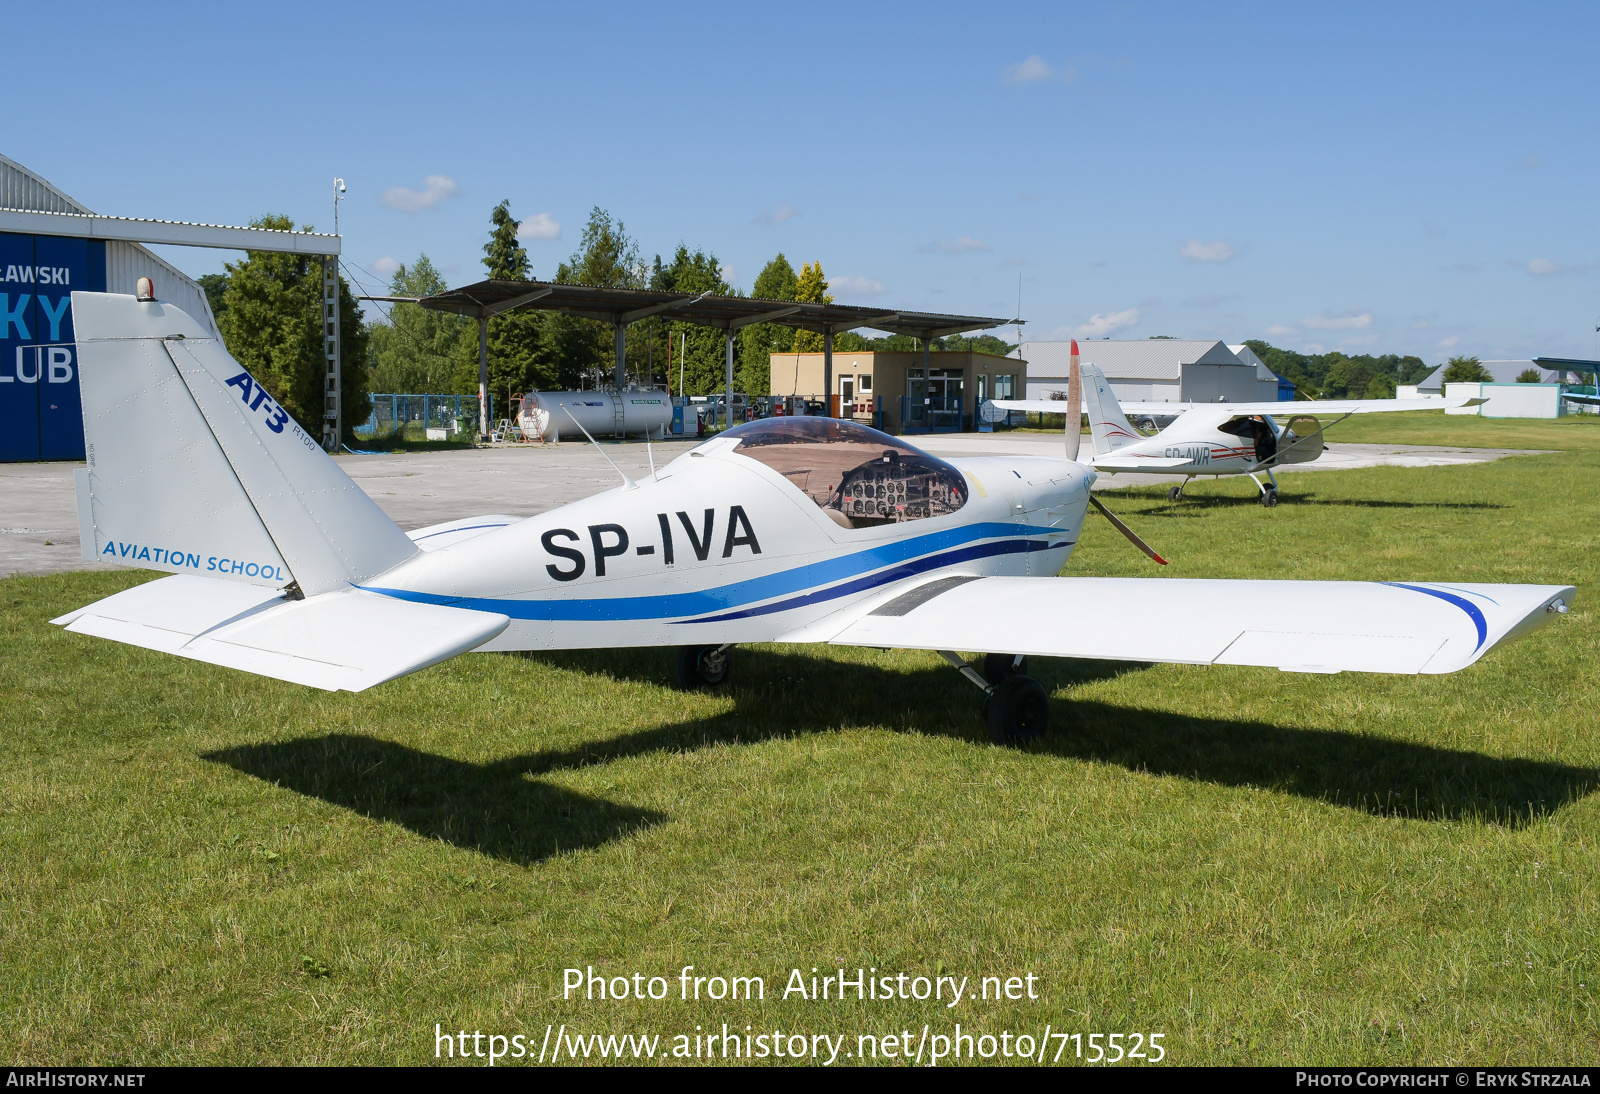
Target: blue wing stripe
[(1461, 602)]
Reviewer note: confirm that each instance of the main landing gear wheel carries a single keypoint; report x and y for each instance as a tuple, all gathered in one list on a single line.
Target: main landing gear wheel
[(999, 667), (1019, 711), (696, 667), (1269, 497), (1175, 494)]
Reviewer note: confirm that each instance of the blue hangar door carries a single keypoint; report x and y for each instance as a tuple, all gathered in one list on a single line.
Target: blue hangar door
[(41, 413)]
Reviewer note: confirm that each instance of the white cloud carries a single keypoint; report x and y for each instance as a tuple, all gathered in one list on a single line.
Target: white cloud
[(1281, 331), (1449, 343), (1345, 321), (856, 286), (1195, 251), (1015, 262), (385, 266), (543, 226), (729, 274), (1541, 266), (435, 188), (958, 246), (1029, 70), (1099, 326), (778, 215)]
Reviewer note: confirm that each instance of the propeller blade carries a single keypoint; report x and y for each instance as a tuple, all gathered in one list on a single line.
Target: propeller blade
[(1074, 402), (1125, 530)]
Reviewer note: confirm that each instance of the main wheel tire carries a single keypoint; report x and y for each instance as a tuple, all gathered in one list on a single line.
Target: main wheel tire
[(1269, 497), (999, 667), (1019, 711), (1175, 494), (696, 667), (1147, 424)]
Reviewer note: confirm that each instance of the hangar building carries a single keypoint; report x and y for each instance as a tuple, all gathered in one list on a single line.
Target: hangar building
[(1156, 370), (51, 245)]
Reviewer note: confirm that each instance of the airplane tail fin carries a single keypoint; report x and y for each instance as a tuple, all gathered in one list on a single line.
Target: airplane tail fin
[(1107, 424), (195, 469)]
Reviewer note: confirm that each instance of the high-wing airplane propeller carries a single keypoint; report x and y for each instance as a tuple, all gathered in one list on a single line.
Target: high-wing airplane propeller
[(1207, 438), (781, 530)]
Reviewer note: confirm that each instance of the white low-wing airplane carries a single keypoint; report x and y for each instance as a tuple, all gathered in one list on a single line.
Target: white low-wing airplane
[(1207, 438), (788, 530)]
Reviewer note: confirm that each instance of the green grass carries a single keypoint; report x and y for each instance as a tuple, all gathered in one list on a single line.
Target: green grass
[(199, 866)]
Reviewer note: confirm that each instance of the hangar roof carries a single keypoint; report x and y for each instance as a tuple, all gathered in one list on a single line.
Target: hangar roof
[(488, 298), (1130, 359), (32, 206)]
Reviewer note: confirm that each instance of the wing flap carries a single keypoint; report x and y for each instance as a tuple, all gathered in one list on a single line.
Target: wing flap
[(1302, 626), (343, 641)]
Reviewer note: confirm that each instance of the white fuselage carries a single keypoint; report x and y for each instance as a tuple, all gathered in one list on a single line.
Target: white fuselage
[(720, 548), (1196, 444)]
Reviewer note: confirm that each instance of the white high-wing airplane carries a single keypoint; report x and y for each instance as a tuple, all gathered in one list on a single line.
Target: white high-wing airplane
[(1207, 438), (788, 530)]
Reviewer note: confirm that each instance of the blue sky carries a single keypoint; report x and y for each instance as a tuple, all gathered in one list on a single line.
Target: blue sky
[(1390, 177)]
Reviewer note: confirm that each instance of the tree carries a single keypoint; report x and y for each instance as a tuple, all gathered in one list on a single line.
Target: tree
[(420, 350), (1530, 376), (759, 341), (606, 258), (519, 355), (272, 324), (1333, 375), (215, 286), (703, 352), (810, 288), (1466, 370)]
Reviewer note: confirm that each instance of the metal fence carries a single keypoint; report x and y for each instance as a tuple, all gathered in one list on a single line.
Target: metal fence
[(395, 413)]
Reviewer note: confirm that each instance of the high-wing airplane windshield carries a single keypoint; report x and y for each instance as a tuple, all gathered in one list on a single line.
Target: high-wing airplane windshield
[(859, 476)]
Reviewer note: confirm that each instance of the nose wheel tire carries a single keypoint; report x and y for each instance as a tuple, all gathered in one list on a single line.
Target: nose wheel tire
[(999, 667), (1019, 711), (697, 667), (1175, 494)]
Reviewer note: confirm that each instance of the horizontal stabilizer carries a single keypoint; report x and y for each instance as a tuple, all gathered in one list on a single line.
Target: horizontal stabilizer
[(1298, 626), (342, 641)]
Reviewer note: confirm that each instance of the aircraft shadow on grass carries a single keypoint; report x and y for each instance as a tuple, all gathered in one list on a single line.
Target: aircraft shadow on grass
[(1377, 775), (488, 808)]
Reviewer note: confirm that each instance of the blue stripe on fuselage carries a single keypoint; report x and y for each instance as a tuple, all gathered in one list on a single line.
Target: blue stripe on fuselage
[(738, 594), (884, 577)]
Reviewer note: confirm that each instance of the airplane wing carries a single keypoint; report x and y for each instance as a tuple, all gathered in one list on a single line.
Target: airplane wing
[(1297, 626), (340, 641), (1303, 406), (1321, 406), (1579, 397)]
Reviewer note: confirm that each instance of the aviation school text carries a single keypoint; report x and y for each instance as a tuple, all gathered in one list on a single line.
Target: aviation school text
[(866, 984), (133, 552)]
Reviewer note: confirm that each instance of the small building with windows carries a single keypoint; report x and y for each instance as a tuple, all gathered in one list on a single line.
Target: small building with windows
[(958, 382)]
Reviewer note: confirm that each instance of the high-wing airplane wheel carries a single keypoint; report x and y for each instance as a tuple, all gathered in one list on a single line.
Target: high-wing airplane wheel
[(1175, 494), (999, 667), (696, 667), (1269, 497), (1019, 711)]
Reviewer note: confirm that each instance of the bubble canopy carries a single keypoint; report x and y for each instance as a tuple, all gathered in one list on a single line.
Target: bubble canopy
[(860, 477)]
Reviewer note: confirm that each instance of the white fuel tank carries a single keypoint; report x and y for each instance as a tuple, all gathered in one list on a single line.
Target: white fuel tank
[(550, 414)]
